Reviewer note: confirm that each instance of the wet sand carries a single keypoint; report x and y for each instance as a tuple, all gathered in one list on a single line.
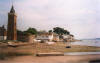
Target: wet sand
[(52, 59)]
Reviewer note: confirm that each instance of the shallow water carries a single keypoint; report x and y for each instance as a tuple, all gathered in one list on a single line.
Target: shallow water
[(81, 53), (93, 42), (87, 43)]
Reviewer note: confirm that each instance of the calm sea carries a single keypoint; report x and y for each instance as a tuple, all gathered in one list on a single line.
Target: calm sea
[(92, 42), (88, 42)]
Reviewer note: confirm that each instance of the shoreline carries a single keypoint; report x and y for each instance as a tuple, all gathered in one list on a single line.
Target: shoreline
[(32, 49)]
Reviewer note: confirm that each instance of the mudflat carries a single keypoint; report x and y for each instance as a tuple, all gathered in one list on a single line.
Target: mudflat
[(52, 59)]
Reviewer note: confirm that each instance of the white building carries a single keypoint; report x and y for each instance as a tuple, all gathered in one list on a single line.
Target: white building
[(68, 37), (3, 37), (48, 37), (45, 37)]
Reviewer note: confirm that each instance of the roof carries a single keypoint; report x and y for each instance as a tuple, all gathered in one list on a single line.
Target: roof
[(12, 9), (45, 34)]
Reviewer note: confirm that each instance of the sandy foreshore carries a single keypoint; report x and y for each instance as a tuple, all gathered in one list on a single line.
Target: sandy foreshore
[(20, 53), (52, 59)]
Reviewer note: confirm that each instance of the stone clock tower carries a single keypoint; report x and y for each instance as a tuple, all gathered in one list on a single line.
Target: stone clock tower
[(12, 30)]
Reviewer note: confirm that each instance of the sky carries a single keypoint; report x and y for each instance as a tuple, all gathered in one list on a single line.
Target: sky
[(80, 17)]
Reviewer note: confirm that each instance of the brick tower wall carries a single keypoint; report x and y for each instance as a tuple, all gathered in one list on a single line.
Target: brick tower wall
[(11, 31)]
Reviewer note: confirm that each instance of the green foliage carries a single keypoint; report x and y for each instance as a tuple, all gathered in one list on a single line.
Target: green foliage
[(60, 31), (28, 31), (57, 30), (31, 31), (50, 31), (19, 32)]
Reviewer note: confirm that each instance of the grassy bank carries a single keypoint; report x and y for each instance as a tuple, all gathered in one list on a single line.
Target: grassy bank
[(6, 51)]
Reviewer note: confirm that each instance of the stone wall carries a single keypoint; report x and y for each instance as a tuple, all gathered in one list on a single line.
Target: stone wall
[(26, 38)]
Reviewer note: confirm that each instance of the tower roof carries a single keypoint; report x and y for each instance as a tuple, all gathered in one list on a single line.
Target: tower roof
[(12, 9)]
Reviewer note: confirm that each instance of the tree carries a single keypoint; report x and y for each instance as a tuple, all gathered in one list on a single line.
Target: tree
[(31, 31), (19, 32), (66, 32), (60, 31), (50, 31)]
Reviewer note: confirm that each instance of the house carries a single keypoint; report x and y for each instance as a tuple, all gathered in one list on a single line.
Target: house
[(68, 38), (48, 37), (3, 33), (56, 37), (45, 36)]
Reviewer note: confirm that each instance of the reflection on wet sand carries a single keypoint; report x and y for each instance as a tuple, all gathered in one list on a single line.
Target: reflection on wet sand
[(94, 61)]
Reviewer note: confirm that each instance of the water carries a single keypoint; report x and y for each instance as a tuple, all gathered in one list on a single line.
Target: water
[(81, 53), (94, 42)]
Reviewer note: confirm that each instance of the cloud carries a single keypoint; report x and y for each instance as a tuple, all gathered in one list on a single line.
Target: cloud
[(80, 17)]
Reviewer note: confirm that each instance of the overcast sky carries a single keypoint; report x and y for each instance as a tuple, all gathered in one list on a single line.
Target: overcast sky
[(80, 17)]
